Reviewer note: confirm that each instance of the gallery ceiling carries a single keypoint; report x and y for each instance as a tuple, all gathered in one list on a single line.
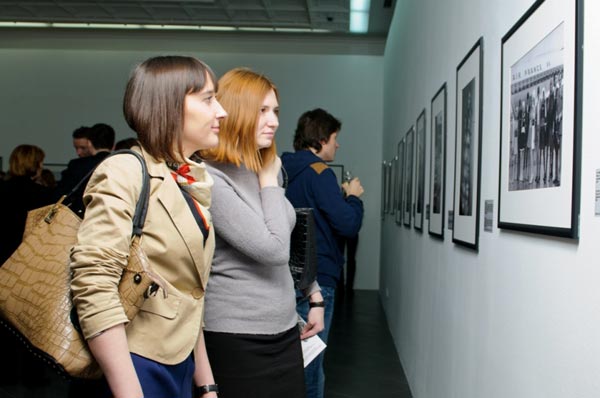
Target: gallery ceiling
[(277, 15)]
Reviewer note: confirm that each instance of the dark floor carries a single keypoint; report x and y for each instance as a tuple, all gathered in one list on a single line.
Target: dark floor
[(361, 360)]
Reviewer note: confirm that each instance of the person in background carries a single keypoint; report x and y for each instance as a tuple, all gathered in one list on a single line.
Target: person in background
[(81, 141), (126, 143), (251, 331), (46, 179), (170, 103), (313, 184), (102, 141), (20, 193)]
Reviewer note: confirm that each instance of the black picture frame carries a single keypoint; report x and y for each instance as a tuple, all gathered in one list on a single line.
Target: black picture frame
[(400, 181), (467, 159), (394, 185), (408, 176), (420, 156), (540, 120), (338, 170), (437, 159), (386, 187)]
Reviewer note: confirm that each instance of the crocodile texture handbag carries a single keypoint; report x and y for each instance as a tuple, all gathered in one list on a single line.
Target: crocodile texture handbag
[(35, 291)]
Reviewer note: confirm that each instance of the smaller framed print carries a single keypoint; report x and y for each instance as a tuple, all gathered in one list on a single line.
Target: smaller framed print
[(437, 170), (392, 185), (383, 187), (420, 171), (467, 160), (400, 182), (338, 169), (408, 176), (540, 120)]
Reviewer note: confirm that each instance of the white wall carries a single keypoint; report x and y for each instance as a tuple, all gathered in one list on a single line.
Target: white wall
[(55, 81), (520, 318)]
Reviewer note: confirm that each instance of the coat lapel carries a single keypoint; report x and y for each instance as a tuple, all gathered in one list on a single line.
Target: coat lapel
[(173, 202)]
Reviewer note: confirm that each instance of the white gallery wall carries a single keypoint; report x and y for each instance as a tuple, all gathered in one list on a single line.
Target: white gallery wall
[(520, 318), (56, 80)]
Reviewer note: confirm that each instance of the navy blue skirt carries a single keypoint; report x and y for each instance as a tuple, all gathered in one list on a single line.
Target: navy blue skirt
[(158, 380)]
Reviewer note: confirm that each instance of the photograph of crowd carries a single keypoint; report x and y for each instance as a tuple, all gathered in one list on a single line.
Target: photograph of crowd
[(536, 102)]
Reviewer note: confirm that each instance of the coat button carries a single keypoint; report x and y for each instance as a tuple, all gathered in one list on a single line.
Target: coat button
[(198, 293)]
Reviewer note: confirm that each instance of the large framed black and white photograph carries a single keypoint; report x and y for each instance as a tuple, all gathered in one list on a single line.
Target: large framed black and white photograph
[(400, 181), (408, 176), (421, 141), (437, 170), (467, 160), (541, 120)]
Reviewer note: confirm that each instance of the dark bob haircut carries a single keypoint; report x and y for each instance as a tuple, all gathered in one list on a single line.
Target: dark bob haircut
[(154, 102)]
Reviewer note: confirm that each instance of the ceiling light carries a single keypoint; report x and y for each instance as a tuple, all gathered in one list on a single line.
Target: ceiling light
[(360, 5), (359, 16)]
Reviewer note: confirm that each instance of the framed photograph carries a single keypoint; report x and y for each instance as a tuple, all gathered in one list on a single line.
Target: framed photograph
[(421, 141), (540, 125), (383, 188), (408, 176), (386, 187), (400, 182), (394, 185), (467, 160), (338, 169), (437, 169)]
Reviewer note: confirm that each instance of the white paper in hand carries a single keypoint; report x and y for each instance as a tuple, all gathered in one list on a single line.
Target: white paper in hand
[(312, 346)]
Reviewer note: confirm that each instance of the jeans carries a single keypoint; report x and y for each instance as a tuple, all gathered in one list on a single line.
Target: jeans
[(314, 376)]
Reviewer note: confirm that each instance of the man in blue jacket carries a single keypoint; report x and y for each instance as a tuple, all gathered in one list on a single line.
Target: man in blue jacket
[(313, 184)]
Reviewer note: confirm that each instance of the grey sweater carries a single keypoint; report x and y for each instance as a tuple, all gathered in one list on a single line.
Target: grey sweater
[(250, 289)]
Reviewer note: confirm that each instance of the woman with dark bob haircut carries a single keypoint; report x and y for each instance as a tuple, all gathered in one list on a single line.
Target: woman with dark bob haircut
[(170, 102)]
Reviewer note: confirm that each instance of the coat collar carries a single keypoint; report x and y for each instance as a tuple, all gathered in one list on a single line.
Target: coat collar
[(172, 200)]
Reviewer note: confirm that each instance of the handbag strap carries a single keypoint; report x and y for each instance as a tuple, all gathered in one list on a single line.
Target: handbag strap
[(141, 207)]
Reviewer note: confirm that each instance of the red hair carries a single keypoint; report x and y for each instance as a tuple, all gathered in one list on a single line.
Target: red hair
[(242, 92)]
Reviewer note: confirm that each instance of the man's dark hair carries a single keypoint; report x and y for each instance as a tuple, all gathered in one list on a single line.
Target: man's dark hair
[(82, 132), (102, 136), (314, 127), (126, 143)]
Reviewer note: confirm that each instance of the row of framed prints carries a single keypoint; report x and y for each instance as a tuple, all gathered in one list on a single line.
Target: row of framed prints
[(540, 136)]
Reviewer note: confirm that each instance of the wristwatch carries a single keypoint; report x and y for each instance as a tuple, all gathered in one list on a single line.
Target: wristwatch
[(316, 304), (205, 389)]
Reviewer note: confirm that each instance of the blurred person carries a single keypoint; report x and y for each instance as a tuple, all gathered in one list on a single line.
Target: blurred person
[(251, 331), (81, 141), (102, 141), (126, 143), (46, 178), (20, 193)]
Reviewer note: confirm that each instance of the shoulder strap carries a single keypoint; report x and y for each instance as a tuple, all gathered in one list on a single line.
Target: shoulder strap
[(141, 207)]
